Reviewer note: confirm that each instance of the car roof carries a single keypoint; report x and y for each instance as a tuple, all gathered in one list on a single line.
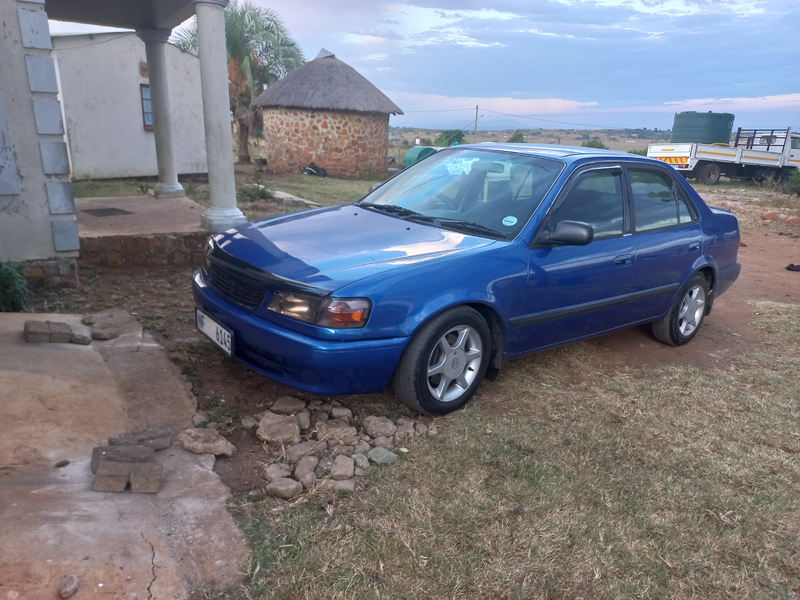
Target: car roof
[(553, 151)]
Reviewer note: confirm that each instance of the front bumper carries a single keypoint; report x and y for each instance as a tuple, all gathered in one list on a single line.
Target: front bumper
[(306, 363)]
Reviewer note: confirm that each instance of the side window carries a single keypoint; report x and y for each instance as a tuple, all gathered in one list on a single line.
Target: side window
[(656, 203), (596, 199), (147, 107)]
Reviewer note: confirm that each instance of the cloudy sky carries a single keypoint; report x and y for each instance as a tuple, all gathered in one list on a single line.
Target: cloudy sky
[(564, 63)]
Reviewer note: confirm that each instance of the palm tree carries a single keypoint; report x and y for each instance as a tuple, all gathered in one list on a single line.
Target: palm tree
[(260, 52)]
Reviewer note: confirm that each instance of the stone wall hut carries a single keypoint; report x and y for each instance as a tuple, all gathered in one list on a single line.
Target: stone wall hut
[(325, 112)]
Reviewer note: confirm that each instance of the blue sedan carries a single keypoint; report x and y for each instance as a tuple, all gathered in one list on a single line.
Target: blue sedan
[(471, 257)]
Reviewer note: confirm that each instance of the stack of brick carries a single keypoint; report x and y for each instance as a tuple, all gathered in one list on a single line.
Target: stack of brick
[(130, 459), (58, 332)]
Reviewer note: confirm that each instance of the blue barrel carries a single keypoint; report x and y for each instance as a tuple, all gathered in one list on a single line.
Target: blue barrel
[(702, 128)]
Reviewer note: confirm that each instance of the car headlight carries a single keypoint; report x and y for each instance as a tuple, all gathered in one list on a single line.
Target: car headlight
[(322, 311)]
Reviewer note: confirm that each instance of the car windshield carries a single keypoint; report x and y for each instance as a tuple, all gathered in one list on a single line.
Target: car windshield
[(480, 192)]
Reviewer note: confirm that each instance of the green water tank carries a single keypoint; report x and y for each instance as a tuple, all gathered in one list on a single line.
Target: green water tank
[(702, 128), (417, 153)]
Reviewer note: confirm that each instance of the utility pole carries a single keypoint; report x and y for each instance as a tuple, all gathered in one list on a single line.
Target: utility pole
[(476, 124)]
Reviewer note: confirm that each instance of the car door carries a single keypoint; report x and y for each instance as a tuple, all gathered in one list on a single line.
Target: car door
[(667, 235), (575, 291)]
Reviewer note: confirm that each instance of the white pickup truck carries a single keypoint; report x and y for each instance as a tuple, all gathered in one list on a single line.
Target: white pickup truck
[(752, 154)]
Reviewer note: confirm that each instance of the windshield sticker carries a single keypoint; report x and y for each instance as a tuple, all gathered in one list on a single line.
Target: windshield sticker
[(510, 221)]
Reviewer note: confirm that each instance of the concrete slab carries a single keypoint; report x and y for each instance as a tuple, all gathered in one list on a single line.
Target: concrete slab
[(58, 402), (149, 215)]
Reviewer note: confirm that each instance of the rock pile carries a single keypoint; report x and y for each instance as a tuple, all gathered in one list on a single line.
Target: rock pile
[(315, 444)]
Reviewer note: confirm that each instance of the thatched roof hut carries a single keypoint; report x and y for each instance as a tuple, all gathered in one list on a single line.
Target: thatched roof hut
[(326, 83), (327, 113)]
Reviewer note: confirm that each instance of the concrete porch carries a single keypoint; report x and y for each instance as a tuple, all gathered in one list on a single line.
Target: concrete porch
[(139, 231)]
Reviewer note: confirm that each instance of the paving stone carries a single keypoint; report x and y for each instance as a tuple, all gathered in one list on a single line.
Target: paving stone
[(309, 480), (104, 331), (250, 422), (280, 429), (206, 441), (340, 485), (125, 454), (381, 455), (146, 478), (60, 333), (303, 419), (37, 332), (283, 487), (157, 438), (342, 468), (343, 413), (360, 460), (304, 471), (296, 452), (338, 430), (384, 442), (68, 587), (361, 448), (379, 426), (405, 429), (277, 471), (81, 334), (112, 476), (288, 405)]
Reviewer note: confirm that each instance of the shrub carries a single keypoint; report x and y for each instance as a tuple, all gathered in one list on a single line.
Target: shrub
[(517, 138), (639, 152), (13, 287), (793, 183), (594, 143), (426, 142)]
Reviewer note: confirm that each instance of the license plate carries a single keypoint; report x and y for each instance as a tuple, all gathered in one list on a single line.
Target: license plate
[(221, 336)]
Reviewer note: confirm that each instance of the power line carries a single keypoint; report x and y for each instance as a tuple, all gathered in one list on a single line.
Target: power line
[(548, 120)]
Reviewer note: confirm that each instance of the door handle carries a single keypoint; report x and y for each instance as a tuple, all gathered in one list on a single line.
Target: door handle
[(694, 246), (623, 259)]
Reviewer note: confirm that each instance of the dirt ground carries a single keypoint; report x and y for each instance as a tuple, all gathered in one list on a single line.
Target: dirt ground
[(228, 391)]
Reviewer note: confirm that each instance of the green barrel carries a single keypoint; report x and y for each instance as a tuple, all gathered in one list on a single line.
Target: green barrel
[(702, 128), (417, 153)]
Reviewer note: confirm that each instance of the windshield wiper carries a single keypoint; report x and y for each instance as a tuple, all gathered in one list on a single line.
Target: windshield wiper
[(467, 226), (390, 209)]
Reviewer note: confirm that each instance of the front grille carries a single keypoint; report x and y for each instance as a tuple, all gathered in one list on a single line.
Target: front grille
[(236, 289)]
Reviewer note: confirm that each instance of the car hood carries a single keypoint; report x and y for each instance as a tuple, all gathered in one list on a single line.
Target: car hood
[(328, 248)]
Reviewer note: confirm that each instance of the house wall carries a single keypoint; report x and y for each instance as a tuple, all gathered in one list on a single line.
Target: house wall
[(37, 220), (348, 145), (99, 78)]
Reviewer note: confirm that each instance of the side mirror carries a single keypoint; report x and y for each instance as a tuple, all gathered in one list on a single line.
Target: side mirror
[(375, 186), (572, 233)]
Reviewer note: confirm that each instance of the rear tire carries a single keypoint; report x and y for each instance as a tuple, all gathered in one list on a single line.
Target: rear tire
[(445, 362), (709, 173), (684, 317)]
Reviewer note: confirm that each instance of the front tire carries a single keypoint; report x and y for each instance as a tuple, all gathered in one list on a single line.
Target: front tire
[(686, 314), (444, 363), (709, 173)]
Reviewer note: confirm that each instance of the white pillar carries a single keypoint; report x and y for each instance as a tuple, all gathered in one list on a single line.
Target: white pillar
[(223, 213), (155, 44)]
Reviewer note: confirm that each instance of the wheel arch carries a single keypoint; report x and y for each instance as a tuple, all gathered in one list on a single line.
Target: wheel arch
[(498, 341), (710, 274)]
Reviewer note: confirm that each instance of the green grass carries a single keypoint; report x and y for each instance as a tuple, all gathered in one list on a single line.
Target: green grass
[(679, 484)]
